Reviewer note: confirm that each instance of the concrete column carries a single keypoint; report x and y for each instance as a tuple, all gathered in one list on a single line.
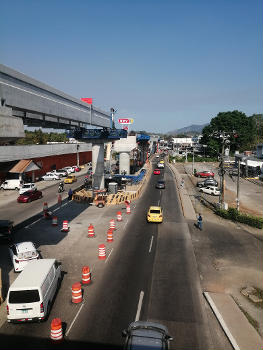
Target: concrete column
[(124, 162), (98, 164), (11, 128)]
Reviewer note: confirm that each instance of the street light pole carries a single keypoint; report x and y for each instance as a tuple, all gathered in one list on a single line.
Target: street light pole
[(193, 161), (238, 179)]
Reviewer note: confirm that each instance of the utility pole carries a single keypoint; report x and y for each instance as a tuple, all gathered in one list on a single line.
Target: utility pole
[(238, 179), (193, 161), (223, 174)]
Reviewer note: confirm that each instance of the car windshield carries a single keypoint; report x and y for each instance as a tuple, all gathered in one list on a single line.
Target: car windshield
[(23, 296), (27, 194), (160, 182), (155, 211)]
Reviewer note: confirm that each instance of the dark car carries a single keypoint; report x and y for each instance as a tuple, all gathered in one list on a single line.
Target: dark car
[(207, 182), (146, 335), (6, 229), (29, 196), (160, 184)]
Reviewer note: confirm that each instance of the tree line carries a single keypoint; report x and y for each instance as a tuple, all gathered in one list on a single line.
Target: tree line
[(38, 137)]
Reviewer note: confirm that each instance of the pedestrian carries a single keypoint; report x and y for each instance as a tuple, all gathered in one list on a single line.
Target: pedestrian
[(70, 193), (182, 183), (199, 222)]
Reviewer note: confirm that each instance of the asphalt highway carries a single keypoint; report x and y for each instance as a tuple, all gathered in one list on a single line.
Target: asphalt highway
[(149, 274)]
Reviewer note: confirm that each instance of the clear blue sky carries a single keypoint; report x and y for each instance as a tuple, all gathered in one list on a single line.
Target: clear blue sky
[(167, 64)]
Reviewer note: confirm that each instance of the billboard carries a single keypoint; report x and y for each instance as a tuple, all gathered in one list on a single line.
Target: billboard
[(125, 121)]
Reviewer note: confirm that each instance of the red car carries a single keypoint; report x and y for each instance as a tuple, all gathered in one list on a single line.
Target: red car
[(29, 196), (157, 172), (205, 174)]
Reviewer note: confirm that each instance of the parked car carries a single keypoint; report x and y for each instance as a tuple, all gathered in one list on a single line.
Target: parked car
[(70, 179), (59, 172), (30, 296), (76, 168), (146, 335), (214, 191), (55, 172), (21, 254), (11, 184), (50, 176), (160, 184), (205, 173), (155, 214), (6, 229), (207, 182), (29, 196), (156, 172), (27, 187), (69, 169)]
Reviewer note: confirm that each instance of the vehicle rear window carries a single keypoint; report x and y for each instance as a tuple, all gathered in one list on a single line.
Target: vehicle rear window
[(23, 296), (155, 211)]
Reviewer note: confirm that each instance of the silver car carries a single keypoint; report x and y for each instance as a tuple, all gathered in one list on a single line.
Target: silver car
[(146, 335)]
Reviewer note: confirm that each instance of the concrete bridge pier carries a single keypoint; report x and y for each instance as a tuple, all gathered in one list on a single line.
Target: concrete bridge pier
[(98, 164), (11, 128), (124, 162)]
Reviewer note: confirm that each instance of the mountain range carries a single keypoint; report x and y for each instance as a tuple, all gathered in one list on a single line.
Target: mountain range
[(191, 129)]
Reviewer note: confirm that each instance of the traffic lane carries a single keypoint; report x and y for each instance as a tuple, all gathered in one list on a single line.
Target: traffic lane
[(128, 273), (74, 250), (176, 299), (18, 212)]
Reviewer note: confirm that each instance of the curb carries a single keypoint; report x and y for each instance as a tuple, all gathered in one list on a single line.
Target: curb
[(221, 321)]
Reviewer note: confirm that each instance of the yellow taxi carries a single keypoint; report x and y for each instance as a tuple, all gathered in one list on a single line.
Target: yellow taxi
[(161, 161), (70, 179), (155, 214)]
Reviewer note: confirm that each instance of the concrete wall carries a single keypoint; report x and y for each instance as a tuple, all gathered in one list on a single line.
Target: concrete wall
[(10, 153)]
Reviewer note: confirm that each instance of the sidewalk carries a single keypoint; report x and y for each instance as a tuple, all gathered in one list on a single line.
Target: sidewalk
[(234, 323)]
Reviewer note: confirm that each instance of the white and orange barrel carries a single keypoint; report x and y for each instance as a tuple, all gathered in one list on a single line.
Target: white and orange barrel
[(56, 333), (91, 232), (76, 293), (86, 275), (110, 235), (128, 209), (119, 216), (65, 227), (102, 252), (112, 225), (45, 206), (54, 221)]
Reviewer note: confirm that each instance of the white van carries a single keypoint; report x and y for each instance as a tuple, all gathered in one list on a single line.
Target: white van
[(11, 184), (30, 296)]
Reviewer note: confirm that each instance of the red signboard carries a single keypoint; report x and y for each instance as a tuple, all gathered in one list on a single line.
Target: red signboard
[(124, 121), (87, 100)]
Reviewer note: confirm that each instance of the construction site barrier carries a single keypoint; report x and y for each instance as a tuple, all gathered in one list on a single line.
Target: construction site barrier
[(76, 293), (56, 332)]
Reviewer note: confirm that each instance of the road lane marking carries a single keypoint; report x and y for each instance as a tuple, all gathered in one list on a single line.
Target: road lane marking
[(139, 306), (108, 255), (33, 223), (158, 202), (151, 245), (126, 223), (74, 320)]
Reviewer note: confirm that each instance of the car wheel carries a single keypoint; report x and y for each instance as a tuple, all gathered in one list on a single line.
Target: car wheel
[(48, 310), (16, 188), (100, 205), (29, 200)]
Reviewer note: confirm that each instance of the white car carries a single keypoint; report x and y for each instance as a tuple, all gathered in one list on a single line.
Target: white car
[(69, 169), (21, 254), (50, 176), (160, 165), (27, 187), (56, 172), (211, 190)]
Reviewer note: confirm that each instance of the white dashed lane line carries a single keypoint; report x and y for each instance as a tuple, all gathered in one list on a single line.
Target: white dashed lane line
[(138, 313), (150, 249), (72, 323)]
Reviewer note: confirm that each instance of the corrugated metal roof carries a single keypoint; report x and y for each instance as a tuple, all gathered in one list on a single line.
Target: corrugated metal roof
[(23, 166)]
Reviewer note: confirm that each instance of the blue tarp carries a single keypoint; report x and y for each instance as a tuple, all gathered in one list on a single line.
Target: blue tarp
[(134, 178)]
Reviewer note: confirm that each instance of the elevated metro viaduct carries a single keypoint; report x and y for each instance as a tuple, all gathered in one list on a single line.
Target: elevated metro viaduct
[(26, 101)]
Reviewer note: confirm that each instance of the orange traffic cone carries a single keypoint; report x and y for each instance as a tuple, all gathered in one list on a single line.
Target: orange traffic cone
[(56, 329), (65, 227), (110, 235), (86, 275), (45, 207), (102, 252), (128, 209), (76, 293), (91, 232), (112, 225), (119, 216), (54, 221)]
